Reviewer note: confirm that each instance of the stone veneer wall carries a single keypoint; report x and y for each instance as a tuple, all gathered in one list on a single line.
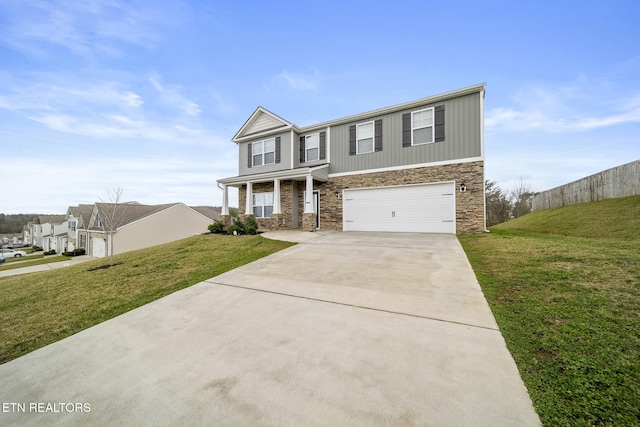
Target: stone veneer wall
[(276, 222), (469, 205)]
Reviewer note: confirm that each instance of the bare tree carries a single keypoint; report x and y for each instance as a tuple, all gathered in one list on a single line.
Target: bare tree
[(498, 204), (112, 215), (521, 199)]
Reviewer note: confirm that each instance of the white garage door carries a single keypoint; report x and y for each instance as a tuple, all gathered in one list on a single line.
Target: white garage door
[(98, 247), (424, 208)]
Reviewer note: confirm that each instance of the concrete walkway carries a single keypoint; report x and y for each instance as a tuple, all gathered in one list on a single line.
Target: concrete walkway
[(341, 329), (45, 267)]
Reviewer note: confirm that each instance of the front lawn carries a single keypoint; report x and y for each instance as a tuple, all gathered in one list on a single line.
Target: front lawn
[(569, 309), (40, 308)]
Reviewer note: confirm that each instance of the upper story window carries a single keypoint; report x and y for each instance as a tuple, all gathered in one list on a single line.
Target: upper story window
[(422, 126), (264, 152), (312, 147), (72, 225), (364, 138), (98, 221)]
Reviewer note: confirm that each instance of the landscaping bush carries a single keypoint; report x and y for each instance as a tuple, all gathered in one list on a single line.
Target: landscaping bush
[(36, 248), (236, 228), (250, 225), (51, 252), (75, 252), (217, 227)]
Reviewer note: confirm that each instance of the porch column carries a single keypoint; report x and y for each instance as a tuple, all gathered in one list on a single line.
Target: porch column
[(308, 204), (225, 200), (276, 196), (249, 203)]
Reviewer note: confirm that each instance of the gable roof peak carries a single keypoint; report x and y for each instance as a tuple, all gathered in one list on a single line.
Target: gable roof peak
[(262, 122)]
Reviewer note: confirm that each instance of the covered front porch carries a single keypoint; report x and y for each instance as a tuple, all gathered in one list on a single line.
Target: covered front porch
[(282, 200)]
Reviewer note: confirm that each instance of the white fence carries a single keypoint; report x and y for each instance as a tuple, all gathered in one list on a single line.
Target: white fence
[(621, 181)]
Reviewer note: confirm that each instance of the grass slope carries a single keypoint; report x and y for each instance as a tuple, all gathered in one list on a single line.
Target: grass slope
[(41, 308), (564, 286), (616, 218)]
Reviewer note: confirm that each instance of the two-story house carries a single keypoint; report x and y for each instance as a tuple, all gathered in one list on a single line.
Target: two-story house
[(413, 167), (77, 219), (53, 229)]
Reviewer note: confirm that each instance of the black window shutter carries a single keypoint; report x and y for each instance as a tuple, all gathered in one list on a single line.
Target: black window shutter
[(378, 135), (302, 156), (406, 130), (249, 162), (323, 145), (277, 149), (352, 140), (439, 123)]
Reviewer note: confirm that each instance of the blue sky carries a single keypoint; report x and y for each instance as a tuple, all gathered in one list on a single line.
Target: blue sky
[(146, 95)]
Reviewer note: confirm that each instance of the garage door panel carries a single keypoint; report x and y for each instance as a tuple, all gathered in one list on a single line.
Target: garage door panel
[(414, 208)]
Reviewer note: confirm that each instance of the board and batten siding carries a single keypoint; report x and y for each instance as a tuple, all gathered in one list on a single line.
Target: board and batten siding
[(285, 155), (265, 122), (463, 130)]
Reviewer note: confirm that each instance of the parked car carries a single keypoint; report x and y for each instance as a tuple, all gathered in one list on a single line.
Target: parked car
[(10, 253), (18, 245)]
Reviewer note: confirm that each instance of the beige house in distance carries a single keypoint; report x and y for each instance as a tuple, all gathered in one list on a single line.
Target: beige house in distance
[(143, 226)]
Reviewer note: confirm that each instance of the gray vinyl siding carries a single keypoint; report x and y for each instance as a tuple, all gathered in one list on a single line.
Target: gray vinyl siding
[(462, 139), (285, 155)]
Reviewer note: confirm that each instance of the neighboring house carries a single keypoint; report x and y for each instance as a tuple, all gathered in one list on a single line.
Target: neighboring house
[(27, 231), (35, 232), (413, 167), (53, 233), (78, 221), (142, 226)]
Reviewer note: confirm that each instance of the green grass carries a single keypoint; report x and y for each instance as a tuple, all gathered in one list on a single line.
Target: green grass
[(28, 261), (614, 218), (41, 308), (565, 290)]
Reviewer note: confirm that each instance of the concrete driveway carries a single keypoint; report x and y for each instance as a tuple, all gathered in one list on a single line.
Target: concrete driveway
[(342, 329)]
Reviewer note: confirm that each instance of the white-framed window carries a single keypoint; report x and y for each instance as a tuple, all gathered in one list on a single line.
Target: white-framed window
[(72, 225), (422, 126), (264, 152), (312, 147), (98, 221), (262, 205), (364, 138)]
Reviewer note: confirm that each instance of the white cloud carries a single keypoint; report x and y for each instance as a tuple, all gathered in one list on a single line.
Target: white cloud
[(84, 27), (299, 81), (105, 109), (172, 96), (580, 106)]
